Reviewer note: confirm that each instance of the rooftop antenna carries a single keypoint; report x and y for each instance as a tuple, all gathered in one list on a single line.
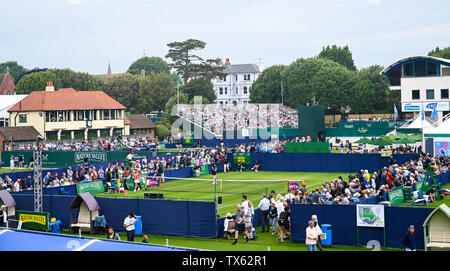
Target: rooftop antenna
[(144, 53)]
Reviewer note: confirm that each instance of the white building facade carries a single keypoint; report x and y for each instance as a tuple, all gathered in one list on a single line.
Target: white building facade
[(423, 81), (235, 86)]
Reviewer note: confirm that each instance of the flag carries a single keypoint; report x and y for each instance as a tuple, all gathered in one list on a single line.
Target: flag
[(434, 114), (395, 112)]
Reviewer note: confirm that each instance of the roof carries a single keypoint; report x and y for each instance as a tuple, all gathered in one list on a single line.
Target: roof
[(443, 207), (415, 58), (88, 199), (139, 121), (241, 68), (24, 133), (6, 83), (66, 99), (7, 199)]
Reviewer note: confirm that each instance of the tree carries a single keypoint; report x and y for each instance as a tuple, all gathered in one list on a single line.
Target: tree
[(77, 80), (189, 65), (29, 72), (444, 53), (341, 55), (320, 80), (152, 64), (162, 131), (171, 103), (124, 89), (376, 86), (15, 70), (199, 87), (36, 81), (267, 88), (154, 92)]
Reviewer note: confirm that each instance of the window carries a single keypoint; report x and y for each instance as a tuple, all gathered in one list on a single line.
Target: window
[(226, 90), (220, 91), (420, 68), (430, 94), (445, 71), (416, 94), (245, 90), (444, 93), (432, 69), (408, 69), (22, 118), (236, 77)]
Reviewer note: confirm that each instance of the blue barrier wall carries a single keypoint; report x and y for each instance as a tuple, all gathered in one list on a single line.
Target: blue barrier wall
[(343, 221), (323, 162), (166, 217)]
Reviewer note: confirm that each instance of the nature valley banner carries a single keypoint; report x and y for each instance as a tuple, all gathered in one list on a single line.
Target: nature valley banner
[(243, 158), (396, 196), (91, 187), (33, 220), (94, 157)]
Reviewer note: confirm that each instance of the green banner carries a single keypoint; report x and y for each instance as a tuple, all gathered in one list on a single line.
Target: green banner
[(33, 220), (396, 196), (91, 187), (243, 158)]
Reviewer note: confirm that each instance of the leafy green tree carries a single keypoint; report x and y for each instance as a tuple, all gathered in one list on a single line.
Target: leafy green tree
[(124, 89), (444, 53), (77, 80), (154, 92), (189, 65), (341, 55), (162, 131), (36, 81), (152, 64), (173, 102), (199, 87), (318, 80), (376, 86), (15, 70), (267, 88)]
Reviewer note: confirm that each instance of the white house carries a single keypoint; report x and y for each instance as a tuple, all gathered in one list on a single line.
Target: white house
[(234, 87), (424, 82)]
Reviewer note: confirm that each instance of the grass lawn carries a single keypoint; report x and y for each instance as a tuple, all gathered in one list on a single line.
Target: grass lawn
[(262, 243), (232, 192), (7, 170)]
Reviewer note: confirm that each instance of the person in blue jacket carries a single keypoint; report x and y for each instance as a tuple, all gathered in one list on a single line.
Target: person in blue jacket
[(410, 240), (55, 225)]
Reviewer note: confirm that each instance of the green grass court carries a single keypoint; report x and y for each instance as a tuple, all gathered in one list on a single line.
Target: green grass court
[(232, 192)]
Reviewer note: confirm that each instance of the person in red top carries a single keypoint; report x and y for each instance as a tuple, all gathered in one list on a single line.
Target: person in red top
[(136, 176)]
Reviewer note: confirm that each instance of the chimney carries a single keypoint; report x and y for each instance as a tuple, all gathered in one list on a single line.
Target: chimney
[(49, 86), (227, 61), (143, 73)]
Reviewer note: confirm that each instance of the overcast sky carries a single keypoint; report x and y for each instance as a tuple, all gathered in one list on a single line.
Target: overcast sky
[(85, 35)]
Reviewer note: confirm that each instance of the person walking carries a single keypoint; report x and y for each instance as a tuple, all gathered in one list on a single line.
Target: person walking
[(4, 216), (311, 236), (318, 232), (409, 241), (273, 216), (240, 225), (283, 224), (128, 224), (263, 206), (214, 172)]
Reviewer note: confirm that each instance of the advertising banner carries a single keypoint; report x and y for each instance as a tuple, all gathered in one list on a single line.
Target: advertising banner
[(369, 215), (396, 196), (243, 158), (427, 106), (33, 220), (91, 187), (442, 148)]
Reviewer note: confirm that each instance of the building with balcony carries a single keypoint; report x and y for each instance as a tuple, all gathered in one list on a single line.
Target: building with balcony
[(235, 85), (68, 114), (424, 82)]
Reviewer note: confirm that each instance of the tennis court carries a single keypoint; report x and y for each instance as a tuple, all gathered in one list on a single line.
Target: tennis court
[(15, 240)]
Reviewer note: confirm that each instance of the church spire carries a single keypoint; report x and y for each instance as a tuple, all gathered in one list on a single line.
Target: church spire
[(109, 68)]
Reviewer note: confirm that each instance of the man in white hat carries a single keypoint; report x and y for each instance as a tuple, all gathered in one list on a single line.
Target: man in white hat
[(4, 216)]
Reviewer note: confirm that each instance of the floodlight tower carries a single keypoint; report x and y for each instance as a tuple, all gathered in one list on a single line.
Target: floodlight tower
[(37, 165)]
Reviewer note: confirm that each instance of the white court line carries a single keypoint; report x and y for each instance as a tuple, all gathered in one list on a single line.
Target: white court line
[(3, 231), (86, 245)]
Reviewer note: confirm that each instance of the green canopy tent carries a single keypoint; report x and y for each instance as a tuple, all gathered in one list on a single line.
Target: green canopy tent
[(405, 141), (382, 141), (364, 141)]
